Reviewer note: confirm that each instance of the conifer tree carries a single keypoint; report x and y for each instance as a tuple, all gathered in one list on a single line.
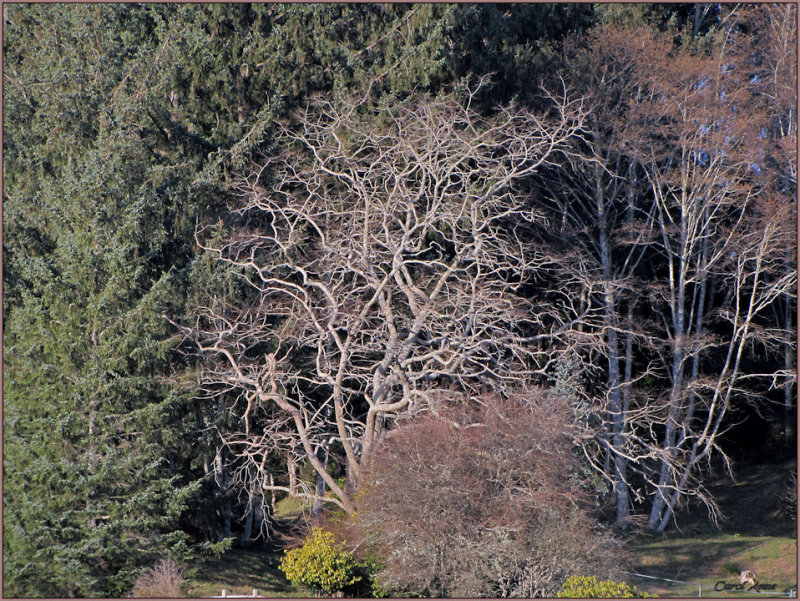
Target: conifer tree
[(92, 487)]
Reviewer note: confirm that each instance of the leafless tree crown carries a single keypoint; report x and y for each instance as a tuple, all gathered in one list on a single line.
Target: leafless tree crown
[(383, 248)]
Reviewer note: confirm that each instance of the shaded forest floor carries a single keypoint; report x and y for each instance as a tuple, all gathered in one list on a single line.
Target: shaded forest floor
[(754, 534), (241, 570)]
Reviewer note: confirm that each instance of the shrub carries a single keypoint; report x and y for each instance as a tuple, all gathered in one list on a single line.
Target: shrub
[(480, 504), (320, 564), (347, 530), (588, 587), (370, 568), (731, 567), (162, 580)]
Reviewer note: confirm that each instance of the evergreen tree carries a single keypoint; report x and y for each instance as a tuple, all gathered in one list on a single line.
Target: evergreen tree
[(92, 224)]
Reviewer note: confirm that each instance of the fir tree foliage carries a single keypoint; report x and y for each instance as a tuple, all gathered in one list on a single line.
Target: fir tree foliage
[(91, 489)]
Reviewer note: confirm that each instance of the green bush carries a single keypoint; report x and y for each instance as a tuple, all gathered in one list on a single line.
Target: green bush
[(588, 587), (731, 567), (370, 569), (320, 564)]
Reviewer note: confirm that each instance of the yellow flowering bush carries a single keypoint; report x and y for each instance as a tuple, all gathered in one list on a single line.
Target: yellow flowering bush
[(588, 587), (320, 564)]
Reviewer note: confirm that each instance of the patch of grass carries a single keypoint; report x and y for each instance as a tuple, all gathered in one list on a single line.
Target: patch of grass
[(289, 509), (754, 535), (704, 561), (774, 560), (239, 571)]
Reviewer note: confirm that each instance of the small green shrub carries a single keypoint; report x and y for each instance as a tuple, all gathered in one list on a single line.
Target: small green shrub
[(588, 587), (320, 564), (370, 568), (731, 567)]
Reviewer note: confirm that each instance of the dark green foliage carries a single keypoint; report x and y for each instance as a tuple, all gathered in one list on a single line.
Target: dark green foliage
[(90, 428), (112, 112), (517, 43), (93, 232)]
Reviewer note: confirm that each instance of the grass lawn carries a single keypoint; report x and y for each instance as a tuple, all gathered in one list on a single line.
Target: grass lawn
[(704, 561), (239, 571), (754, 535)]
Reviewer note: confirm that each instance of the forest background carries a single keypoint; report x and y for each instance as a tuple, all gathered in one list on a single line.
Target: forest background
[(242, 244)]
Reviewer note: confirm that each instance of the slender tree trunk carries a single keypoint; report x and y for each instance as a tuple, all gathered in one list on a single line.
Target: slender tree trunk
[(680, 417), (291, 468), (672, 501), (227, 513), (221, 477), (322, 456), (614, 383), (253, 509), (618, 423), (273, 501), (788, 397), (248, 524), (665, 477), (700, 12), (676, 262), (627, 379)]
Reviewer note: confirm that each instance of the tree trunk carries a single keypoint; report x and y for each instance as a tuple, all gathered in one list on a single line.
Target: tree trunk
[(273, 500), (700, 12), (291, 468), (252, 521), (248, 525), (618, 425), (322, 456), (788, 397), (221, 478), (614, 384)]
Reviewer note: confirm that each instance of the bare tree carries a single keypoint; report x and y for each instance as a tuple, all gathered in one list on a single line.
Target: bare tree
[(668, 234), (775, 80), (383, 252), (718, 254), (598, 232)]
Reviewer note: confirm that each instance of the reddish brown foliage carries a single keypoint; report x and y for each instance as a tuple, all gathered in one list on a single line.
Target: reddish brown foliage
[(481, 504)]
